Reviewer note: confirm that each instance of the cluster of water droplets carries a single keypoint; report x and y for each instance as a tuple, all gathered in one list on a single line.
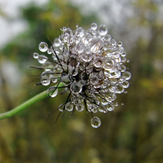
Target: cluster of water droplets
[(90, 64)]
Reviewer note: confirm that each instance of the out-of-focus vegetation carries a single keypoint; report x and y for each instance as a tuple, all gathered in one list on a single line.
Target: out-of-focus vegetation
[(133, 132)]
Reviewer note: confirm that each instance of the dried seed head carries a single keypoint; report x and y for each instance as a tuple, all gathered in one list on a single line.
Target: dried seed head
[(91, 67)]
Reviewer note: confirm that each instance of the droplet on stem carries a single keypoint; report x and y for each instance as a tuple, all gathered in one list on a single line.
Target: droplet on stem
[(43, 46), (102, 30)]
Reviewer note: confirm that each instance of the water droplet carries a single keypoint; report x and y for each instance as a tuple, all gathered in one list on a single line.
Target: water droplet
[(119, 43), (94, 26), (86, 57), (35, 55), (95, 122), (104, 101), (122, 68), (102, 109), (115, 74), (108, 64), (107, 38), (54, 80), (114, 43), (65, 78), (92, 107), (96, 45), (80, 47), (43, 46), (76, 87), (52, 91), (102, 30), (42, 59), (126, 75), (98, 62), (88, 37), (69, 106), (45, 81), (110, 107), (56, 43), (79, 32), (119, 89), (93, 77), (49, 51), (123, 54), (79, 107), (125, 84)]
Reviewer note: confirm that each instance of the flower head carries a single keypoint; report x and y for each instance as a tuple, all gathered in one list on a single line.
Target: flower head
[(89, 65)]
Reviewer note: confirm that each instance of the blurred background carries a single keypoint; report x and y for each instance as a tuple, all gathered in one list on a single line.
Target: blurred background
[(132, 133)]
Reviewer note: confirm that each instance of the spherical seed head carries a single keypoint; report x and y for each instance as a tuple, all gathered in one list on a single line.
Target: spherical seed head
[(91, 67)]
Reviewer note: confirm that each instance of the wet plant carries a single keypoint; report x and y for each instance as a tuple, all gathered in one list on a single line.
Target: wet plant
[(87, 65)]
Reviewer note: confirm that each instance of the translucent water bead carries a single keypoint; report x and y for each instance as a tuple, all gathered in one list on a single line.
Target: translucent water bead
[(79, 32), (79, 107), (45, 81), (94, 26), (52, 91), (43, 46), (35, 55), (69, 106), (76, 87), (95, 122), (42, 59), (102, 30)]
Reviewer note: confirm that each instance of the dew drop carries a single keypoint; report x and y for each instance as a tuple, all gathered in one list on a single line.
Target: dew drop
[(65, 78), (98, 62), (76, 87), (57, 42), (123, 54), (127, 75), (45, 81), (42, 59), (79, 107), (110, 107), (119, 89), (102, 30), (35, 55), (107, 38), (79, 32), (95, 45), (108, 64), (52, 91), (43, 46), (80, 48), (69, 106), (54, 79), (125, 84), (119, 43), (95, 122), (86, 57), (94, 80), (115, 74), (49, 51), (94, 26)]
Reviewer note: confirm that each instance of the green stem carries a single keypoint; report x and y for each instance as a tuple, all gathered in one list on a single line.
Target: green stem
[(24, 105)]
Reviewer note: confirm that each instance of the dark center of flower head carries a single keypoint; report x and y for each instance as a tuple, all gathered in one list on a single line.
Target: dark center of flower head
[(89, 65)]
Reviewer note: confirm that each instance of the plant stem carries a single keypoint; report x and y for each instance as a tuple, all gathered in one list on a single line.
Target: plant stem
[(24, 105)]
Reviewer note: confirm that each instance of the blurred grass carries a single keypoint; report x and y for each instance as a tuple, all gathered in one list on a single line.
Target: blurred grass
[(130, 134)]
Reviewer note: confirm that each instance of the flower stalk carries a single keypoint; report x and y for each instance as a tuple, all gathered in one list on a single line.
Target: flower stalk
[(24, 105)]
